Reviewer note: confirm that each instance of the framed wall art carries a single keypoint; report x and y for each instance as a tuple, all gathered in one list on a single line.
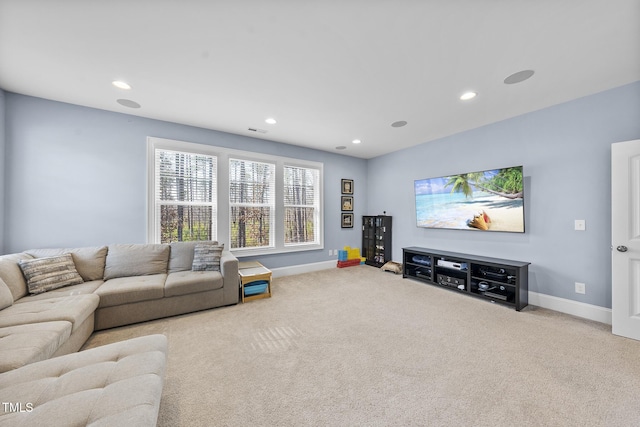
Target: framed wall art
[(347, 220), (347, 203), (347, 186)]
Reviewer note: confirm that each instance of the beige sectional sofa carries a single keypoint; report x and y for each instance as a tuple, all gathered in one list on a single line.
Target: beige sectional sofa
[(43, 381), (121, 284)]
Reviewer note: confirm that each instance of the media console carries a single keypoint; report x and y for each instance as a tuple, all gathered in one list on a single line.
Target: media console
[(497, 280)]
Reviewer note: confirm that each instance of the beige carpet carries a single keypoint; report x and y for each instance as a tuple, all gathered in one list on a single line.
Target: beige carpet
[(358, 346)]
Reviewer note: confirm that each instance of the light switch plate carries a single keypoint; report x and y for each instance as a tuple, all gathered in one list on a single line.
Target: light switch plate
[(580, 225)]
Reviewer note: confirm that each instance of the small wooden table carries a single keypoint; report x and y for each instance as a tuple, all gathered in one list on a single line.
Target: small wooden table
[(252, 271)]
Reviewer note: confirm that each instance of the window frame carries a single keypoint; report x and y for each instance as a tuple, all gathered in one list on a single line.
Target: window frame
[(317, 205), (271, 205), (154, 217), (223, 203)]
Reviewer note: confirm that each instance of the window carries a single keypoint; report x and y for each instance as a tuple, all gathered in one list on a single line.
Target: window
[(185, 196), (253, 203), (301, 205)]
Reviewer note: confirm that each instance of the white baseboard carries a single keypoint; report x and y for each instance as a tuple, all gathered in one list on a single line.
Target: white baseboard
[(574, 308), (303, 268)]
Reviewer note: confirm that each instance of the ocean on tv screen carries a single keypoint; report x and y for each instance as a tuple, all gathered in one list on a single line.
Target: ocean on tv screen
[(491, 200)]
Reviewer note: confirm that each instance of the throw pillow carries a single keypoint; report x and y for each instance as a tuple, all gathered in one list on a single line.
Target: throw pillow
[(89, 261), (181, 256), (6, 298), (46, 274), (206, 257)]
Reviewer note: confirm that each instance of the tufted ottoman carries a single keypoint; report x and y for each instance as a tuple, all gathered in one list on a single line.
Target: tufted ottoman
[(114, 385)]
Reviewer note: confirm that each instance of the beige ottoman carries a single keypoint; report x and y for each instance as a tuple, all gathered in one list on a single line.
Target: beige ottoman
[(113, 385)]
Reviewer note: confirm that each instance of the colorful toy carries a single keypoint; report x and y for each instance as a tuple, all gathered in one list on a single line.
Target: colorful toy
[(349, 257)]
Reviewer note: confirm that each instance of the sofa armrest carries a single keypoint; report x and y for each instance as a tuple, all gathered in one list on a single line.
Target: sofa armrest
[(229, 270)]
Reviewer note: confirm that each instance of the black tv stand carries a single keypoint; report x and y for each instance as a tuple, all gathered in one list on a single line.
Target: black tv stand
[(497, 280)]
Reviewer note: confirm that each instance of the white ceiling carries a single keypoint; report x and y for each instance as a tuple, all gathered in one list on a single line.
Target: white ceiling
[(329, 71)]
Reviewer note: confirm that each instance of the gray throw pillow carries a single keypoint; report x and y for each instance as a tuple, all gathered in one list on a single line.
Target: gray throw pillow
[(46, 274), (181, 256), (89, 261), (206, 257), (6, 298)]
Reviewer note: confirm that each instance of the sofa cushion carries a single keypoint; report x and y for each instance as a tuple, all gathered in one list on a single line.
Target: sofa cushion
[(181, 256), (6, 299), (206, 257), (125, 290), (32, 342), (81, 289), (88, 261), (75, 309), (189, 282), (12, 275), (45, 274), (136, 260), (118, 384)]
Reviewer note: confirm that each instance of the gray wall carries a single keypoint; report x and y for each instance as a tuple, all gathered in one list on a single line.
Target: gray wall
[(565, 151), (77, 176)]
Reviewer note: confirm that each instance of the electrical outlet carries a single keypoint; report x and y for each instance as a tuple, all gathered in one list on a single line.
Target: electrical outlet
[(581, 288), (330, 252)]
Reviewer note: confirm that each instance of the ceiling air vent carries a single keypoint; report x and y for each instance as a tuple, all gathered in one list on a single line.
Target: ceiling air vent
[(257, 130)]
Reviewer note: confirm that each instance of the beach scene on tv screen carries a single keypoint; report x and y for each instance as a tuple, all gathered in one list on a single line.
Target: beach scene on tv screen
[(491, 200)]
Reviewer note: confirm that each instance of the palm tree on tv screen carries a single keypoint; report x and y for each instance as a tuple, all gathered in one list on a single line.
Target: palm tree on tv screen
[(503, 182)]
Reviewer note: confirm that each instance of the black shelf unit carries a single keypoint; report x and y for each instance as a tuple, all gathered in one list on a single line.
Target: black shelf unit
[(376, 239), (497, 280)]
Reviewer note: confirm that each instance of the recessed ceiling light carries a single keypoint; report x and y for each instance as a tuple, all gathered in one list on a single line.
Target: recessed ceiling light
[(121, 85), (398, 124), (356, 141), (468, 95), (271, 121), (518, 77)]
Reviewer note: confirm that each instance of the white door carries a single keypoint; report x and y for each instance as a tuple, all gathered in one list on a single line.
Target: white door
[(625, 236)]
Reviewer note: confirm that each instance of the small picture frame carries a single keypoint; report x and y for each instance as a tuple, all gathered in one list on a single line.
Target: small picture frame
[(347, 186), (347, 203), (347, 220)]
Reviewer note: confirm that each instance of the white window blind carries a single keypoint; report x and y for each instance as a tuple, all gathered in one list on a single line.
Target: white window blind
[(185, 196), (251, 204), (301, 205)]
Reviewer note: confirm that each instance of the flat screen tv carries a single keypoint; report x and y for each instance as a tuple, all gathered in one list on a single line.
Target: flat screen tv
[(491, 200)]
